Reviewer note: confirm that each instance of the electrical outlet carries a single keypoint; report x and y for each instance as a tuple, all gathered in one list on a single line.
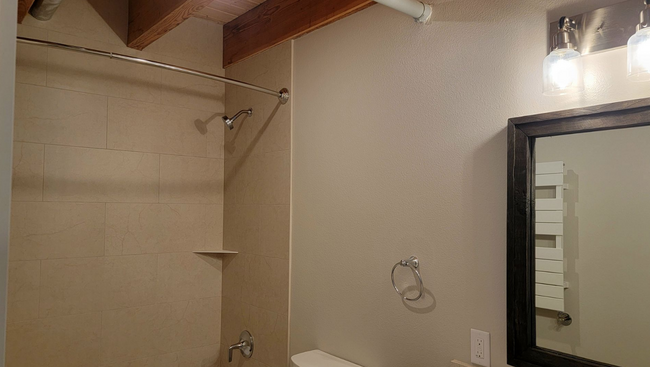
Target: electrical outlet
[(481, 348)]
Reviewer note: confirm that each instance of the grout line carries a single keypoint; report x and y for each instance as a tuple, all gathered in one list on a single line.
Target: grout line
[(115, 150), (258, 208), (159, 175), (157, 103), (105, 228), (155, 295), (40, 284), (43, 180), (107, 120), (111, 256), (101, 311), (111, 202), (101, 332), (47, 59), (229, 158)]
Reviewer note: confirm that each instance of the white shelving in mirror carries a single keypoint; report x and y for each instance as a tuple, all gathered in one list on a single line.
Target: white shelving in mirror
[(549, 222)]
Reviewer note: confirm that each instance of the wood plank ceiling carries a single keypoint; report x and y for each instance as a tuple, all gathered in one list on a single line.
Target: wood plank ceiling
[(276, 21), (152, 19), (250, 26), (23, 8), (224, 11)]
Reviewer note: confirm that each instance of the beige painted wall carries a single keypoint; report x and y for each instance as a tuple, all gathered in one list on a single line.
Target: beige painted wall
[(7, 77), (605, 245), (399, 149), (114, 188), (256, 211)]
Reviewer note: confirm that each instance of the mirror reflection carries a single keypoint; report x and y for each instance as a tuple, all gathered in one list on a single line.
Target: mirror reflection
[(592, 238)]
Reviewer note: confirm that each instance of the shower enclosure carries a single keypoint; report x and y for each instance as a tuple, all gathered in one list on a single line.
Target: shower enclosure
[(115, 190)]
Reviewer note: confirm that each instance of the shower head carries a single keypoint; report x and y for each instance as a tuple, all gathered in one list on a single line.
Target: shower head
[(229, 120)]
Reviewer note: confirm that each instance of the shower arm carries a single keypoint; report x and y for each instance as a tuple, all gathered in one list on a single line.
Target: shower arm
[(248, 111), (282, 95)]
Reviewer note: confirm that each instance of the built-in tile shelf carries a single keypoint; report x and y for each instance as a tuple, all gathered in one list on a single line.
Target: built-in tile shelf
[(218, 252)]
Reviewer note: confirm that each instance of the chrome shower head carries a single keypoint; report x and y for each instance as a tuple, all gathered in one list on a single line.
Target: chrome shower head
[(229, 120)]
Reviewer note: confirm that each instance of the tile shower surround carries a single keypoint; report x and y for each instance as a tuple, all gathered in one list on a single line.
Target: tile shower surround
[(113, 189)]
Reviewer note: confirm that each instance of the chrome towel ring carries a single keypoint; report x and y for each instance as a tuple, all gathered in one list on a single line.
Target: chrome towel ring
[(413, 263)]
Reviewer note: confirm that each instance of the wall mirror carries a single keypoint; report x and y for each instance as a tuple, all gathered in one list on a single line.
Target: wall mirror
[(579, 237)]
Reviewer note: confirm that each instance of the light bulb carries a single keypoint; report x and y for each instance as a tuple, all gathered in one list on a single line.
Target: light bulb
[(563, 66), (563, 72), (638, 56)]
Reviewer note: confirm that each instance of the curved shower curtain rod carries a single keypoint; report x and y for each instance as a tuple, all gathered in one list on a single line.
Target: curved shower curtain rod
[(282, 95)]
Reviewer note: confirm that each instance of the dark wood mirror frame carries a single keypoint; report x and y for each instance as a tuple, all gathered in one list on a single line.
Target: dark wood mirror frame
[(522, 132)]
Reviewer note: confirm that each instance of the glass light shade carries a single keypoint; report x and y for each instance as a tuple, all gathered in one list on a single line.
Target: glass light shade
[(638, 56), (563, 72)]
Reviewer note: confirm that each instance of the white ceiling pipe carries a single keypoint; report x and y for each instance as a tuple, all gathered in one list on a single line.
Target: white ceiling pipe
[(420, 11)]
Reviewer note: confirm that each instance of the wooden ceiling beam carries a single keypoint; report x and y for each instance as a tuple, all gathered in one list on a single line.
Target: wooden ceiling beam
[(276, 21), (23, 9), (151, 19)]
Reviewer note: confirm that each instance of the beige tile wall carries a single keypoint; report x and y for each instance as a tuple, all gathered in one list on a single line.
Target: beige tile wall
[(256, 211), (113, 189)]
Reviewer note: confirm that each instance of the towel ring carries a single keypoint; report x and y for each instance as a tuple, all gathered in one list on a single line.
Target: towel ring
[(413, 263)]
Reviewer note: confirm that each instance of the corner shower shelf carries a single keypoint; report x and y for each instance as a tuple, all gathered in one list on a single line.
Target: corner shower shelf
[(217, 252)]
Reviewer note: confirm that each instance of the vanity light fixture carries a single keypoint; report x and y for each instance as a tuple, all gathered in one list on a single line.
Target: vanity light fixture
[(598, 30), (563, 66), (638, 49)]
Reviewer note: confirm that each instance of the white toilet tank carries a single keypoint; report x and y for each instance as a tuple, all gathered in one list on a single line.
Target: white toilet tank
[(318, 358)]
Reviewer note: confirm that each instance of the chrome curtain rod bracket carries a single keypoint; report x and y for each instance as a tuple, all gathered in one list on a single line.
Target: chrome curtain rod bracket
[(282, 95)]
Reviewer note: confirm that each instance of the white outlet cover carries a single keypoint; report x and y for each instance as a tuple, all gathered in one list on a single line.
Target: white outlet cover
[(476, 335)]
